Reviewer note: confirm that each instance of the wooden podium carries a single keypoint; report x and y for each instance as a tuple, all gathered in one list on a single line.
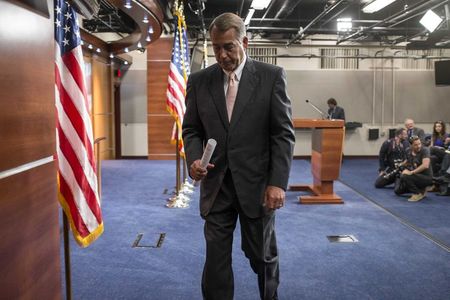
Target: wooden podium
[(326, 158)]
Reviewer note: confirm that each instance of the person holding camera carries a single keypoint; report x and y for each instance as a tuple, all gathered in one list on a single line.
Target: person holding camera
[(392, 156), (418, 174)]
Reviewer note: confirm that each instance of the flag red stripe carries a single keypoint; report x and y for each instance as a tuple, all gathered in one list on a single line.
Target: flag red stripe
[(75, 214), (79, 175), (75, 118), (74, 68), (173, 105), (178, 83), (175, 95)]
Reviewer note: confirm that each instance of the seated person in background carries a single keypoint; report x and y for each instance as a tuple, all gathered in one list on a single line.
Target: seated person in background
[(444, 179), (412, 130), (439, 142), (392, 154), (439, 138), (418, 175), (335, 111)]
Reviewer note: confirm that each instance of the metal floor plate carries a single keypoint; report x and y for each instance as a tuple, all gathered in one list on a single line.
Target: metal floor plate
[(343, 238), (154, 240)]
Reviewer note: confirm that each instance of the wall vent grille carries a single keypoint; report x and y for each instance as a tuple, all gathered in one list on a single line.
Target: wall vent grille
[(339, 58), (264, 54), (421, 64)]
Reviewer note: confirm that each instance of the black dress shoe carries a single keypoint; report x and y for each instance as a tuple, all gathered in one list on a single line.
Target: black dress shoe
[(443, 178), (443, 193)]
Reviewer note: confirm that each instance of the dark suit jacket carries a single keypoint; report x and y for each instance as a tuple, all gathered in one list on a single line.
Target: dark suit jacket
[(256, 145), (419, 132), (338, 113)]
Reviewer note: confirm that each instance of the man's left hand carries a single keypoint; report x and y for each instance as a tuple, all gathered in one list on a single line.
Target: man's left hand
[(274, 197), (407, 172)]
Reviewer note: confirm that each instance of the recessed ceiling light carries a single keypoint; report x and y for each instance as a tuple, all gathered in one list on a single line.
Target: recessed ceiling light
[(260, 4), (251, 11), (376, 5)]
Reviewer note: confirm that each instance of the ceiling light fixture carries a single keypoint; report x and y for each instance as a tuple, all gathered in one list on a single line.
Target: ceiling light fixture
[(148, 39), (431, 21), (344, 24), (376, 5), (251, 11), (145, 20), (127, 4), (260, 4)]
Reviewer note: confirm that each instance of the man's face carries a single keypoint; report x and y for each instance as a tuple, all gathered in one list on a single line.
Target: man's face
[(331, 105), (229, 51), (409, 124), (403, 136), (416, 146)]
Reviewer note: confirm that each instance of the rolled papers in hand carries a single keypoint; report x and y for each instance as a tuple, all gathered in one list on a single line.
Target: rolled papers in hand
[(209, 149)]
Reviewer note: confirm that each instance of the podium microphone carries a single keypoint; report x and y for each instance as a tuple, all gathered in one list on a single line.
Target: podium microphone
[(324, 116), (209, 149)]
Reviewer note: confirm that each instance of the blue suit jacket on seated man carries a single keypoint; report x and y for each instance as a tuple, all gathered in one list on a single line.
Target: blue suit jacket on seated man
[(250, 165)]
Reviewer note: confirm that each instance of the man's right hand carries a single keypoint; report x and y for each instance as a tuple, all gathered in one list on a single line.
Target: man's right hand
[(197, 172)]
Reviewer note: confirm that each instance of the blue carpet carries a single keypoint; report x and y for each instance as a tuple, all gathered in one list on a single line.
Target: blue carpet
[(390, 261), (431, 214)]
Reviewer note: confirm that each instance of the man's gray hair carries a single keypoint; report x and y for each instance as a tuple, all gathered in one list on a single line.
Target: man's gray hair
[(227, 21)]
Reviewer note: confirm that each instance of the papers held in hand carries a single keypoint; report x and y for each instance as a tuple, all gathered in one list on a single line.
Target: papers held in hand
[(209, 149)]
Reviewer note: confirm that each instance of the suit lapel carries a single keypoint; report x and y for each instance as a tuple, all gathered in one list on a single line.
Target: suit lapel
[(245, 93), (218, 95)]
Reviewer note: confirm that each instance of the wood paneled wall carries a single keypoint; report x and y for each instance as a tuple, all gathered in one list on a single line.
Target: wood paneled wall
[(29, 230), (160, 122), (102, 106)]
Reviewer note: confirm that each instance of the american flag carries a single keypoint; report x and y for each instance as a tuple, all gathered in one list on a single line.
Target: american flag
[(77, 178), (178, 74)]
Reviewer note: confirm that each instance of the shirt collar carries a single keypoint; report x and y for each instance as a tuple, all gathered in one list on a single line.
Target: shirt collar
[(239, 69)]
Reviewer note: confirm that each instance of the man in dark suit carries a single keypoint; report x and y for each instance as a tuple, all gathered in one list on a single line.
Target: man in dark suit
[(243, 105), (412, 131), (334, 111)]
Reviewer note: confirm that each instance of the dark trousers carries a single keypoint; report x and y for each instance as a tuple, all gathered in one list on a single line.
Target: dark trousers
[(437, 155), (415, 183), (258, 243), (445, 165), (382, 181)]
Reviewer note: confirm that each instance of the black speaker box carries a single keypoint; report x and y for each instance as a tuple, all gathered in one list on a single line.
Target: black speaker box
[(392, 132), (373, 134)]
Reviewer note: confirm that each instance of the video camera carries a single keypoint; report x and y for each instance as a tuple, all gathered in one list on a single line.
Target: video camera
[(393, 172)]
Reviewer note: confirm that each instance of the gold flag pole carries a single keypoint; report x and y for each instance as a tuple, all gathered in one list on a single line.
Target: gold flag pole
[(178, 173), (180, 199)]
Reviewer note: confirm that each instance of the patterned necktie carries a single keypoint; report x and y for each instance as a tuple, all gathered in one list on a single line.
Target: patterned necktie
[(231, 93)]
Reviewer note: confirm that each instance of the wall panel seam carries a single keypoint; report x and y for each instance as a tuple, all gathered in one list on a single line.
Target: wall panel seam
[(26, 167)]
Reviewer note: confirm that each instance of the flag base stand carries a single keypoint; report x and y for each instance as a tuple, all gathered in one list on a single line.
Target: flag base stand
[(182, 199), (181, 196)]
